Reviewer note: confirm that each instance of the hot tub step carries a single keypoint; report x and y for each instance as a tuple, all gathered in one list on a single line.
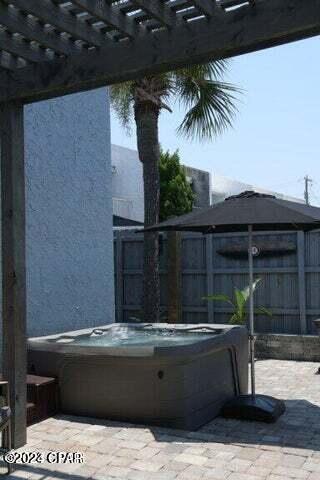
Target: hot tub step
[(42, 398), (31, 413)]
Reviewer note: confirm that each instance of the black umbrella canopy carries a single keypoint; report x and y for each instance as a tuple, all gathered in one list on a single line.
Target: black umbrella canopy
[(236, 213)]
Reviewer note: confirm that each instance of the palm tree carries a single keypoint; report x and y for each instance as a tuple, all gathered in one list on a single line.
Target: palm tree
[(210, 107)]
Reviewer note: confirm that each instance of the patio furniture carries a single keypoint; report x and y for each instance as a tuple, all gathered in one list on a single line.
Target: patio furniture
[(5, 422)]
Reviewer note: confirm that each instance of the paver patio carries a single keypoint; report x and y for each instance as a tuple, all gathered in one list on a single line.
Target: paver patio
[(221, 450)]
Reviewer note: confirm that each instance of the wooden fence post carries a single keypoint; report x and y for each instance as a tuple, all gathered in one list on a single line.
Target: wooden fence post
[(13, 264), (119, 277), (209, 269), (174, 277), (302, 281)]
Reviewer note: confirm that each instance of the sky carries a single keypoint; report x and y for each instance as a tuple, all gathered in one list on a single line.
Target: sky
[(275, 139)]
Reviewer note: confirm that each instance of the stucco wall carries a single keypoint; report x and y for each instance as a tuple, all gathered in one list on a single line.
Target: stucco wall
[(69, 213)]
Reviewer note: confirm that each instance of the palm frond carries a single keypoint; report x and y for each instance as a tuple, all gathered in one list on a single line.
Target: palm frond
[(211, 112), (263, 311), (246, 290), (210, 71), (210, 102), (219, 298), (240, 301), (121, 98)]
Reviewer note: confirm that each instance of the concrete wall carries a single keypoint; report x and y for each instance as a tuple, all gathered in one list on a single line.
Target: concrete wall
[(127, 183), (201, 186), (69, 213), (289, 347)]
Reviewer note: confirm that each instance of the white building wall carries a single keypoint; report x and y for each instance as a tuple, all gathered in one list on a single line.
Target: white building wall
[(127, 183), (223, 187)]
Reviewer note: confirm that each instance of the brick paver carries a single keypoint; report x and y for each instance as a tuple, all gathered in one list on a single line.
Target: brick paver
[(221, 450)]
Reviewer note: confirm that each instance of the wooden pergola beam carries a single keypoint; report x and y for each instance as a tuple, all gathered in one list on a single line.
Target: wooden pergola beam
[(226, 34), (14, 264), (50, 13)]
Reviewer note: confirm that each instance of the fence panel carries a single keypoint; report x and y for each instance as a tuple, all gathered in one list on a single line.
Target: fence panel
[(290, 279)]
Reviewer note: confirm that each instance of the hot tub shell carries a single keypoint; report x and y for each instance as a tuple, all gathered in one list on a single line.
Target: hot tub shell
[(181, 386)]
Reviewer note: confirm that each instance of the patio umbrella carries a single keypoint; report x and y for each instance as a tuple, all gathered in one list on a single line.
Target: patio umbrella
[(248, 211)]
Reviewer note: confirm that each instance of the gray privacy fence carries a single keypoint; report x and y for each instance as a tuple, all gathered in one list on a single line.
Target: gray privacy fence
[(288, 265)]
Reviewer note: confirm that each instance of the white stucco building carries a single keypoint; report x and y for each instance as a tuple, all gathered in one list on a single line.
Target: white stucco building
[(127, 185), (69, 237), (224, 187)]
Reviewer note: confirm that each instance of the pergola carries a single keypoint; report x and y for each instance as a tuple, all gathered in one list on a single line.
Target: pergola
[(50, 48)]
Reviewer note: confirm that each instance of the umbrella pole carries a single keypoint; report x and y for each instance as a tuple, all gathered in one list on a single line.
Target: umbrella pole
[(251, 309)]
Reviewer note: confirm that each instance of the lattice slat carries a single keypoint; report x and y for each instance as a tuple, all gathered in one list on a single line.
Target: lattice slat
[(110, 15), (158, 11), (69, 27), (11, 62), (18, 46), (52, 14), (33, 30)]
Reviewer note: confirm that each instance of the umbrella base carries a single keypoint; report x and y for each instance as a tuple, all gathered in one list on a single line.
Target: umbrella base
[(259, 408)]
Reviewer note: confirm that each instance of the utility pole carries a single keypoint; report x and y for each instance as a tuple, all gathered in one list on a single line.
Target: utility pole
[(307, 182)]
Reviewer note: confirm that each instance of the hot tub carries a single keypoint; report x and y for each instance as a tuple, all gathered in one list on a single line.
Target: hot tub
[(176, 376)]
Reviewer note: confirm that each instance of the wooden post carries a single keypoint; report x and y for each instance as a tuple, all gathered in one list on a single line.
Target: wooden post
[(13, 264), (119, 277), (174, 277), (209, 268), (302, 281)]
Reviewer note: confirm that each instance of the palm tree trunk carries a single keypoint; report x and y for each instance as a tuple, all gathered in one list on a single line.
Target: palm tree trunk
[(146, 117)]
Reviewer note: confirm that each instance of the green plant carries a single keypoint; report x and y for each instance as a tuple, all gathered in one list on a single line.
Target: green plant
[(176, 195), (238, 303)]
